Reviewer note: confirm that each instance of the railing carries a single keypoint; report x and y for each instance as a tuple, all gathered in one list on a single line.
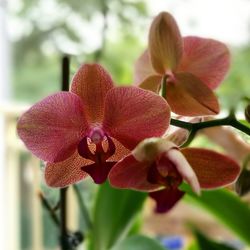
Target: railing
[(16, 173)]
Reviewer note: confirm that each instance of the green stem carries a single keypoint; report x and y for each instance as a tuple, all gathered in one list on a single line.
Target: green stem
[(193, 128), (164, 86), (51, 211), (65, 67), (189, 140), (83, 208), (181, 124), (63, 219), (214, 123)]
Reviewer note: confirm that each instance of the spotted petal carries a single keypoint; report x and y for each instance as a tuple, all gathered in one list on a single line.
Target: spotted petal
[(133, 114), (52, 128), (91, 83), (65, 173), (189, 96), (129, 173), (212, 169), (120, 151), (165, 43), (207, 59)]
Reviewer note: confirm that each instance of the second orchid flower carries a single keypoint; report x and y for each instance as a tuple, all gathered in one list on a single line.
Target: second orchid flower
[(185, 69)]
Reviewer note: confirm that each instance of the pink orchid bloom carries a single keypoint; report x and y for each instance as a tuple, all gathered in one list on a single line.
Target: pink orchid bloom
[(158, 166), (190, 67), (87, 130)]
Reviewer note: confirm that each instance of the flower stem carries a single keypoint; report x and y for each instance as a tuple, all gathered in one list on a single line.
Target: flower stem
[(65, 73), (68, 240), (51, 210), (63, 192), (193, 128), (63, 215), (83, 209), (164, 86)]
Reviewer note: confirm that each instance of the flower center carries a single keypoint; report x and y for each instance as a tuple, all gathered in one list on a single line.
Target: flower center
[(164, 172), (170, 76), (98, 147), (96, 135), (92, 146)]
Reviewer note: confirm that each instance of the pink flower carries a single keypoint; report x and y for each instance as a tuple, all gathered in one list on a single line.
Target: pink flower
[(87, 130), (190, 67), (158, 166)]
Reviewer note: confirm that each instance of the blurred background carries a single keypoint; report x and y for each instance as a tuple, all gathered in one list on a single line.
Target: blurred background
[(34, 34)]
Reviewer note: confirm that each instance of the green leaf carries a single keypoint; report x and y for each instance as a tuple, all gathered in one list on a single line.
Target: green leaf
[(139, 242), (193, 246), (87, 223), (226, 207), (208, 244), (114, 214)]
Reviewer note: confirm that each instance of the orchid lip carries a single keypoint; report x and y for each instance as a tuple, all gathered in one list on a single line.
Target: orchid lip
[(100, 167), (164, 172), (99, 154), (170, 77)]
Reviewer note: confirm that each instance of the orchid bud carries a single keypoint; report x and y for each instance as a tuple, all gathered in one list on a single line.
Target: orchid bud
[(243, 183), (247, 112)]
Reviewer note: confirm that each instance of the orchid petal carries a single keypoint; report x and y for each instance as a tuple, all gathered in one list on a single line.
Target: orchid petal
[(67, 172), (143, 68), (188, 96), (152, 83), (133, 114), (212, 169), (129, 173), (165, 43), (184, 168), (120, 151), (52, 128), (91, 83), (207, 59), (166, 199)]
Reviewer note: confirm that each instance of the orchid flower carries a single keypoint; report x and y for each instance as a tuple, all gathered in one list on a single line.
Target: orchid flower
[(186, 69), (158, 166), (87, 130)]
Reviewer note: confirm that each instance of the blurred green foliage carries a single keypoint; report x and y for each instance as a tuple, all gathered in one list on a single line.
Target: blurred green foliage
[(139, 242), (207, 244), (114, 214), (223, 205), (237, 85), (45, 37)]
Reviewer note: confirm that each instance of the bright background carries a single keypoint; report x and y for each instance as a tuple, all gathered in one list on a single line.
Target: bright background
[(34, 34)]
